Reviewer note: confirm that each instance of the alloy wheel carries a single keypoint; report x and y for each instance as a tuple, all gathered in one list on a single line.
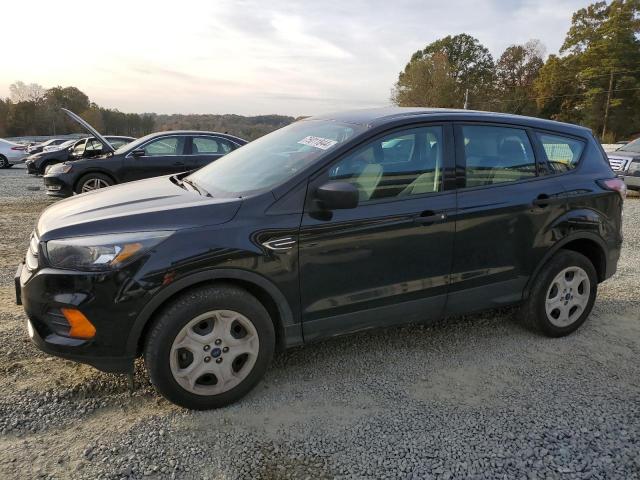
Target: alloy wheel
[(214, 352), (567, 296), (93, 184)]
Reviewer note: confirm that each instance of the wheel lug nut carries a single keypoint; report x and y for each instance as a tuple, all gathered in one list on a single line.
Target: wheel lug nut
[(219, 360), (225, 349), (206, 348), (207, 359), (218, 341)]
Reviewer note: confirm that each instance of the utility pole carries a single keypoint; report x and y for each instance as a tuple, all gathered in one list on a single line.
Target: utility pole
[(606, 107), (466, 99)]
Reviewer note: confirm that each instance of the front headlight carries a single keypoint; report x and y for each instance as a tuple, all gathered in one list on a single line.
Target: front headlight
[(634, 167), (59, 168), (101, 252)]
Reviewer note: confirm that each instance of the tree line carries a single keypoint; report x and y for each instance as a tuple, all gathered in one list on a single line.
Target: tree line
[(32, 110), (594, 80)]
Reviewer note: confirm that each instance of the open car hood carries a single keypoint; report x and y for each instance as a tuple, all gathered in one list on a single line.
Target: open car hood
[(90, 129)]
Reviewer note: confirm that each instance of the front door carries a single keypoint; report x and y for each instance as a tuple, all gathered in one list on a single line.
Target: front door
[(506, 208), (388, 260), (162, 156)]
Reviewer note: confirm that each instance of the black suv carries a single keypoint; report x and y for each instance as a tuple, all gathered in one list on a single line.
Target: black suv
[(150, 156), (330, 225)]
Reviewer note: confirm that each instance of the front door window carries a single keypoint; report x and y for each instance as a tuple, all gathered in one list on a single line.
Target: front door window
[(397, 165)]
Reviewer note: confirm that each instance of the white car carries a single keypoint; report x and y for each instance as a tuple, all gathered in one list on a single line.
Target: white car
[(11, 153), (67, 144), (39, 147)]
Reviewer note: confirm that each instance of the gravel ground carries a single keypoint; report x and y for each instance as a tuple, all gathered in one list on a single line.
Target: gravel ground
[(472, 397)]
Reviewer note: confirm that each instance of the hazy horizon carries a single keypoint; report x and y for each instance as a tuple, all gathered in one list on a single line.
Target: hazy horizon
[(305, 58)]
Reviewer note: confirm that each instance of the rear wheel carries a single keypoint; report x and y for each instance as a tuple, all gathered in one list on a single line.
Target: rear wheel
[(210, 347), (4, 163), (93, 181), (563, 294)]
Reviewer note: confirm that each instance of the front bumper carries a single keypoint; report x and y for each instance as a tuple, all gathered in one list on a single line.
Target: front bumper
[(56, 186), (44, 292), (31, 167), (632, 181)]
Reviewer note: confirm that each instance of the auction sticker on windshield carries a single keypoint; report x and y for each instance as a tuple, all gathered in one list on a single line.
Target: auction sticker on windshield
[(318, 142)]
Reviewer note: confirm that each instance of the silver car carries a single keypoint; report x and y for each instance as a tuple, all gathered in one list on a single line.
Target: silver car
[(11, 153)]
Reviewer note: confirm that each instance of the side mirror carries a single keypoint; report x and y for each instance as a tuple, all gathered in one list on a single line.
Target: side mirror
[(338, 195), (138, 153)]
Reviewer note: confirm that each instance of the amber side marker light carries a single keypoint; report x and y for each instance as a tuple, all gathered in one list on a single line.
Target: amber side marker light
[(81, 327)]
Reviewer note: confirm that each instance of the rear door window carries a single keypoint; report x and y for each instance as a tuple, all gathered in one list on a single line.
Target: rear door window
[(496, 155), (563, 153), (210, 145)]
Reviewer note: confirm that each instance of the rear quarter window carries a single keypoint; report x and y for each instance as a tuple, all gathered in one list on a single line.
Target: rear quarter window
[(563, 153)]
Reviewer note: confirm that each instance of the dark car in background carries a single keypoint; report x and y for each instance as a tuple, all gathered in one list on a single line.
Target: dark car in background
[(328, 226), (150, 156), (625, 161), (88, 147)]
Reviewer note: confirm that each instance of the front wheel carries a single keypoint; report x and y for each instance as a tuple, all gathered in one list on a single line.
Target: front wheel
[(93, 181), (210, 347), (563, 294), (4, 163)]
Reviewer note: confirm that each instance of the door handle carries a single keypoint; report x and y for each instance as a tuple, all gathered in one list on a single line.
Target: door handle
[(179, 163), (543, 200), (429, 217)]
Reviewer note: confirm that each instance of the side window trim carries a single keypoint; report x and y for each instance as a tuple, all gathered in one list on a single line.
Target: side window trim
[(460, 156), (448, 163)]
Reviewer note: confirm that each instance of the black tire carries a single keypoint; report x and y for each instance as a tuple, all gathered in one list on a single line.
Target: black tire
[(179, 313), (96, 177), (43, 167), (534, 309), (4, 163)]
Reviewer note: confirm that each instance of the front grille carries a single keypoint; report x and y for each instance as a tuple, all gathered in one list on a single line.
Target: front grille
[(33, 253), (618, 164)]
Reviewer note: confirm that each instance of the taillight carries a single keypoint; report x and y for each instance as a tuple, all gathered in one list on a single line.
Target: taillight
[(19, 147), (614, 184)]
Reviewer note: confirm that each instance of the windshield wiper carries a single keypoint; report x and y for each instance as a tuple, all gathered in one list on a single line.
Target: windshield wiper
[(196, 187)]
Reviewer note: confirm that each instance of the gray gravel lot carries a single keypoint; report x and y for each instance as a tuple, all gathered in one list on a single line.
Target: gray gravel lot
[(471, 397)]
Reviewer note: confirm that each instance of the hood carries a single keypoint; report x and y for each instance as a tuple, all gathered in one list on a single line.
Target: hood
[(146, 205), (622, 154), (107, 146), (62, 154)]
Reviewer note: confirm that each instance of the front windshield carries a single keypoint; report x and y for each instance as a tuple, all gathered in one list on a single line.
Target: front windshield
[(631, 147), (273, 159), (133, 145)]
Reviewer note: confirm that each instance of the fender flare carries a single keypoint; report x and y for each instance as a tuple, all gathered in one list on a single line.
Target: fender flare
[(291, 330), (582, 235)]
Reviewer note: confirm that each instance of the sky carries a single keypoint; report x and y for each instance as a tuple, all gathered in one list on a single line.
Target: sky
[(250, 57)]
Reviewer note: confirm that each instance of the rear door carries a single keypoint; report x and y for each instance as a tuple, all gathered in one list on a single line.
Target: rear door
[(161, 156), (506, 208)]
